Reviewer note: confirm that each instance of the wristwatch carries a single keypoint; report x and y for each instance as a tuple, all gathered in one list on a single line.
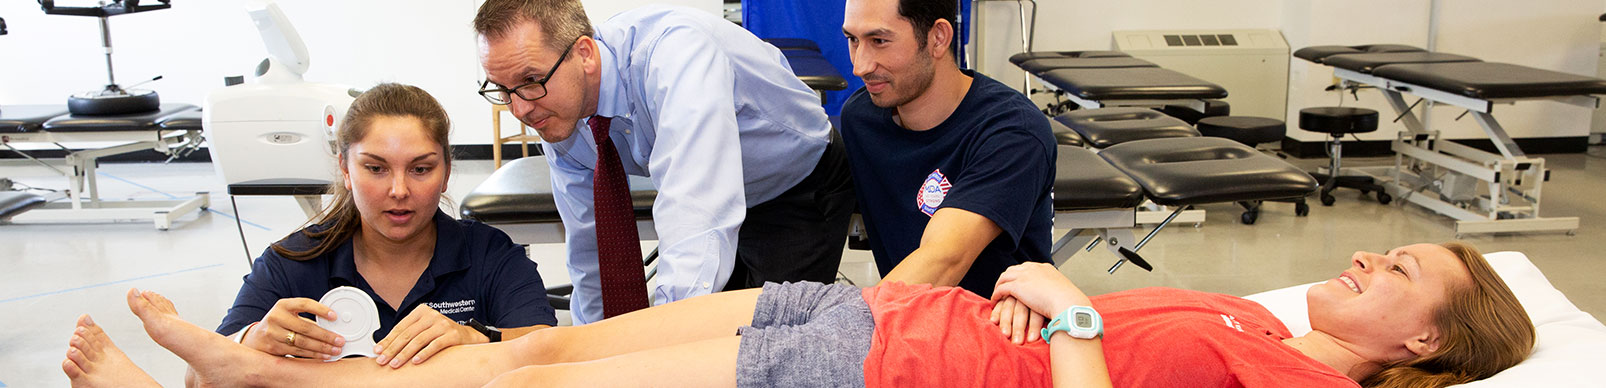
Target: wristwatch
[(494, 334), (1078, 321)]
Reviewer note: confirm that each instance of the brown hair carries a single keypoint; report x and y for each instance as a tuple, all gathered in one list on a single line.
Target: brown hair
[(340, 220), (1483, 330), (562, 21)]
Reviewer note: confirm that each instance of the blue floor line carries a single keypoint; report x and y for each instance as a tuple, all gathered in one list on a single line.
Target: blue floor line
[(3, 301), (242, 220), (170, 196)]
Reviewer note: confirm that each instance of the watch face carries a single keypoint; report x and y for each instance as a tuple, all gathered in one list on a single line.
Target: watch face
[(1084, 320)]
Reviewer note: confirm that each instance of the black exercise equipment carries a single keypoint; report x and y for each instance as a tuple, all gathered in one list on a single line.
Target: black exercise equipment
[(113, 99)]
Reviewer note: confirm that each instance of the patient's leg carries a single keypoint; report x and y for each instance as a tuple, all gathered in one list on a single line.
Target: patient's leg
[(218, 361), (94, 361), (707, 363), (696, 319)]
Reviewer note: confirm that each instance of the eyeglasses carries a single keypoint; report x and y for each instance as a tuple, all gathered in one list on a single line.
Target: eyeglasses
[(499, 95)]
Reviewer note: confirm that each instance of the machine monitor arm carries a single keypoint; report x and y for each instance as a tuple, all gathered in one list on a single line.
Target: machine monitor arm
[(280, 37)]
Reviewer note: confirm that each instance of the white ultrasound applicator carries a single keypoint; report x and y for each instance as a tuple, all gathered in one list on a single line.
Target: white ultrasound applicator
[(356, 319)]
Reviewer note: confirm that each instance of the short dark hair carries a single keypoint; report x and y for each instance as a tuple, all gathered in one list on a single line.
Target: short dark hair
[(925, 13), (562, 21)]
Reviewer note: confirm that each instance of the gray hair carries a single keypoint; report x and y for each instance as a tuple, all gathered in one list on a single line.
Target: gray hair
[(562, 21)]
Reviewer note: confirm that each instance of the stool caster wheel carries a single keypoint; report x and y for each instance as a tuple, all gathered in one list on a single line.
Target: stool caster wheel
[(1365, 192), (1249, 217), (1327, 199), (1301, 209), (1384, 198)]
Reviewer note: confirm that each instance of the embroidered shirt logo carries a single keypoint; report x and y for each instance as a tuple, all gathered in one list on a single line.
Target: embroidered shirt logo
[(932, 192), (462, 306)]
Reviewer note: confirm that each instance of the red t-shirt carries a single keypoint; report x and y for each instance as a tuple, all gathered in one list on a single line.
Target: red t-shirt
[(1153, 337)]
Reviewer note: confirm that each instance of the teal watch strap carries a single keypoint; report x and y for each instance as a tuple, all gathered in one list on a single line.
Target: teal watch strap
[(1078, 321)]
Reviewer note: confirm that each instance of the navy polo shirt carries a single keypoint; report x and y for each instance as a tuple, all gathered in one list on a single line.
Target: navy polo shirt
[(476, 272), (994, 156)]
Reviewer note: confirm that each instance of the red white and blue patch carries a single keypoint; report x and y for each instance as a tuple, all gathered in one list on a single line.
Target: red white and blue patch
[(932, 192)]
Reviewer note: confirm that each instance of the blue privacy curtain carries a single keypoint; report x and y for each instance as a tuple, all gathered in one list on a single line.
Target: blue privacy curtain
[(820, 21)]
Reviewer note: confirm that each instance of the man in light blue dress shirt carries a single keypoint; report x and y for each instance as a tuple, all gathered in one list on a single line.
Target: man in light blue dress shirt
[(749, 178)]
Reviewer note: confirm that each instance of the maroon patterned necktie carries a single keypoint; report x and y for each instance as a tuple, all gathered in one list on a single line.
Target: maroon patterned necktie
[(624, 281)]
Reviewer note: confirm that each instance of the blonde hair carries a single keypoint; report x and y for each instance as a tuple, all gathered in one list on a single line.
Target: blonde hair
[(1483, 330), (340, 220)]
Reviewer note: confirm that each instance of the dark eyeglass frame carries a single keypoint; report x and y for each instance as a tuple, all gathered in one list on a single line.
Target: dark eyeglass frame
[(486, 90)]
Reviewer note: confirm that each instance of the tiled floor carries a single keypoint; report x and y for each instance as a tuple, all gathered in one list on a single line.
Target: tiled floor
[(53, 273)]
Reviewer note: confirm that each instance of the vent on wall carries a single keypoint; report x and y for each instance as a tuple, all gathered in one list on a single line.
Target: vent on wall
[(1174, 40), (1251, 64)]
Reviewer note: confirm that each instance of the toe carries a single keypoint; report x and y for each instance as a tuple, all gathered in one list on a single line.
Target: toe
[(78, 359), (71, 369)]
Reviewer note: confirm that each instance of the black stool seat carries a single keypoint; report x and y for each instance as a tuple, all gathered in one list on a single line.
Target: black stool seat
[(1245, 129), (281, 186), (1338, 120)]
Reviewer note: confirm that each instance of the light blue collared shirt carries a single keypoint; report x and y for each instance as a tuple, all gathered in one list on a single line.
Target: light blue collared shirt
[(714, 116)]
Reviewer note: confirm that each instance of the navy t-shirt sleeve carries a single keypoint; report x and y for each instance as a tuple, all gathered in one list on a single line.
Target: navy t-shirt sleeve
[(518, 292), (1005, 175), (263, 288)]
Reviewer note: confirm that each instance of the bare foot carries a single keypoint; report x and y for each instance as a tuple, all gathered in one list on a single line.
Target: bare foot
[(216, 360), (94, 361)]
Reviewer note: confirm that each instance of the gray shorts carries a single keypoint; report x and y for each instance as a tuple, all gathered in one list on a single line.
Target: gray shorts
[(805, 335)]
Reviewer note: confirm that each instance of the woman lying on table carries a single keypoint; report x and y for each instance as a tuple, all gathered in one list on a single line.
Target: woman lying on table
[(1419, 315)]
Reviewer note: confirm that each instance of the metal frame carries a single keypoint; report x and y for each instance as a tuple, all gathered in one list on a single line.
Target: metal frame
[(82, 178), (1513, 180), (1113, 229)]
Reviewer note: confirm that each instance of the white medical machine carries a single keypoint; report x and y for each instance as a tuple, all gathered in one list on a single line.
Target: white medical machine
[(276, 128)]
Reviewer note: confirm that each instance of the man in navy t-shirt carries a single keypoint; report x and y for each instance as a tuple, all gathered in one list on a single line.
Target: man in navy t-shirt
[(953, 170)]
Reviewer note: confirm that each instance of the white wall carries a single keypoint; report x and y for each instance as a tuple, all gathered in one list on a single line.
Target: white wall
[(195, 44), (1561, 35)]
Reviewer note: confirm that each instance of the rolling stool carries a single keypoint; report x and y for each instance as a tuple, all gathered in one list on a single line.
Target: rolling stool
[(1337, 122), (1251, 131)]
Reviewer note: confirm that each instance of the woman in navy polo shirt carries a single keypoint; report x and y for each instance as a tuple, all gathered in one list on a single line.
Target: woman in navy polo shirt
[(384, 233)]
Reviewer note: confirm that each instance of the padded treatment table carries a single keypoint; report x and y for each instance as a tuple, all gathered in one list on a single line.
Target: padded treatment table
[(1316, 54), (1040, 65), (1176, 172), (1367, 62), (134, 132), (1104, 127), (1026, 56), (1445, 176), (517, 198), (1201, 170), (1093, 79), (1065, 135), (26, 118), (1132, 86), (1492, 80)]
